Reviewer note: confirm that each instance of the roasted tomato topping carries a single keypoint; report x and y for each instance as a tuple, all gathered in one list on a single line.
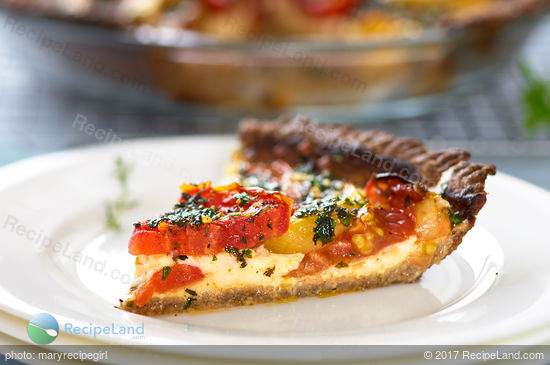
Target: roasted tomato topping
[(394, 192), (219, 4), (392, 208), (328, 7), (394, 200), (168, 278), (207, 219), (312, 7), (396, 224)]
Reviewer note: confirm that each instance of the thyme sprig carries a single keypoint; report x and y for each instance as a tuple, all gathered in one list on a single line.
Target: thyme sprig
[(113, 209)]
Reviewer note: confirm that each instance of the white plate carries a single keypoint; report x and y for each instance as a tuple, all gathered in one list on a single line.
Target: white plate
[(494, 289)]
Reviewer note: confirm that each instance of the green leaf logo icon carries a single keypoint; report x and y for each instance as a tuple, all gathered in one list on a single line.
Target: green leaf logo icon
[(43, 329)]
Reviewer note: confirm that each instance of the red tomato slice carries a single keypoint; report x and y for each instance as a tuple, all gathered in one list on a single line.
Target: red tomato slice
[(328, 7), (393, 191), (245, 217), (394, 201), (397, 224), (166, 279)]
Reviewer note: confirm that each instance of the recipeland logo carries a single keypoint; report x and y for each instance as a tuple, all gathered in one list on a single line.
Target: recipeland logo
[(43, 329)]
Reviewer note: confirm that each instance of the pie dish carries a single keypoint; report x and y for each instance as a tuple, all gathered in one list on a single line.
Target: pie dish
[(376, 60), (342, 19), (317, 210)]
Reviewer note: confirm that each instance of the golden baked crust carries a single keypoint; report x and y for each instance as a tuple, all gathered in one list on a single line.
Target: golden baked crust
[(288, 138)]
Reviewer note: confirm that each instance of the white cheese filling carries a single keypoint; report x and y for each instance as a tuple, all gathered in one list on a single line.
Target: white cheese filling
[(226, 272)]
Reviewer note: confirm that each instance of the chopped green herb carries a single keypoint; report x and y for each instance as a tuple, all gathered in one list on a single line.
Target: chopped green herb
[(269, 225), (243, 198), (341, 212), (407, 201), (182, 257), (188, 213), (346, 221), (268, 272), (188, 302), (348, 201), (214, 258), (240, 255), (130, 304), (312, 207), (232, 250), (165, 271), (260, 237), (343, 215), (454, 218), (243, 239), (192, 292), (324, 229), (341, 264)]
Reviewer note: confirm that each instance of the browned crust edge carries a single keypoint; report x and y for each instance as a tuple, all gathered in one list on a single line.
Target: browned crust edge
[(465, 192), (355, 155), (289, 137), (350, 153)]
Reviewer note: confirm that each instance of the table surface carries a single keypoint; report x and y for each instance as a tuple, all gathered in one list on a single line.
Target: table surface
[(36, 118)]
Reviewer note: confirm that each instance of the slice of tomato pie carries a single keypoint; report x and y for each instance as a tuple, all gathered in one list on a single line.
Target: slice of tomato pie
[(317, 209)]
